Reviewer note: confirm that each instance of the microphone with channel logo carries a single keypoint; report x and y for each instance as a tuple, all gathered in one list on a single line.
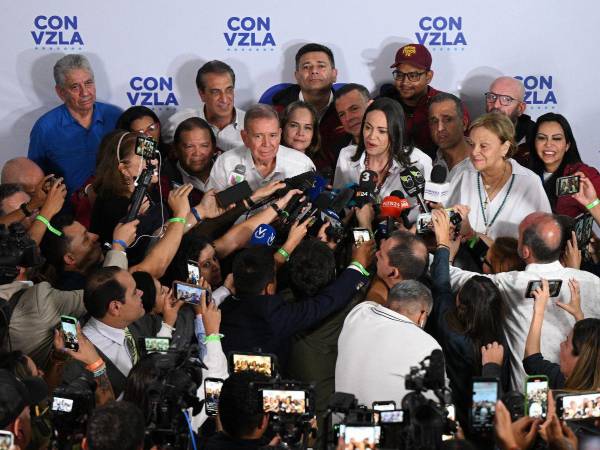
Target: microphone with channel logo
[(366, 188), (238, 175), (263, 236), (413, 183), (391, 210), (437, 189)]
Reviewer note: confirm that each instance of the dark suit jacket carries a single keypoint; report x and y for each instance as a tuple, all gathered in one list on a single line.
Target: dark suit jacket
[(268, 321)]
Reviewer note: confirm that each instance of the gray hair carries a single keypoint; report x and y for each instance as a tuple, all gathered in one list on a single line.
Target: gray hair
[(410, 296), (260, 111), (68, 63)]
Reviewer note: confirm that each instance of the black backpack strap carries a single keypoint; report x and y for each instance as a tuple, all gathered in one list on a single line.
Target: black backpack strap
[(7, 308)]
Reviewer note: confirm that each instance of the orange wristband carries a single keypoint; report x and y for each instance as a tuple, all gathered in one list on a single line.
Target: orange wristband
[(95, 365)]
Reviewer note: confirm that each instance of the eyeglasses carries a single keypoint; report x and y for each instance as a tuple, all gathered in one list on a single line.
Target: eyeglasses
[(149, 129), (412, 76), (505, 100)]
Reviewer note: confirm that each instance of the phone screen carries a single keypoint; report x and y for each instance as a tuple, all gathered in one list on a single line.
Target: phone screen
[(483, 410), (580, 406), (193, 272), (537, 397), (394, 416), (69, 330), (157, 344), (262, 364), (283, 401), (554, 287), (187, 293), (361, 235), (567, 185), (62, 404), (212, 392), (357, 435)]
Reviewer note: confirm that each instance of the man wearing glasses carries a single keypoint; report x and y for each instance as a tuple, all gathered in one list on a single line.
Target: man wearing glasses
[(412, 75), (506, 96)]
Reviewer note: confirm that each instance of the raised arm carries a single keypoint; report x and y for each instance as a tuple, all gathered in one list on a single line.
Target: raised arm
[(534, 338)]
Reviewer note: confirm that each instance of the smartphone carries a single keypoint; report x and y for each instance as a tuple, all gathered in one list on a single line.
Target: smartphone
[(68, 326), (255, 362), (424, 223), (536, 396), (189, 293), (583, 228), (578, 406), (146, 147), (193, 271), (553, 285), (483, 407), (391, 416), (212, 392), (155, 344), (61, 404), (279, 401), (368, 435), (7, 439), (234, 194), (360, 235), (568, 185)]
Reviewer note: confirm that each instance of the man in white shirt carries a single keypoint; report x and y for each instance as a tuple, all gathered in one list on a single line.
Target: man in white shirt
[(380, 343), (216, 84), (262, 158), (540, 246), (447, 125)]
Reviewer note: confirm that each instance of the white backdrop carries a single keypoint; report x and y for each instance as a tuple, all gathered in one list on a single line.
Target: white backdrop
[(148, 52)]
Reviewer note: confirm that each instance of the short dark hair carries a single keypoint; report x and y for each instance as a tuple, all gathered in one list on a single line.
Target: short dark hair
[(311, 268), (349, 87), (240, 409), (214, 66), (8, 190), (101, 288), (445, 96), (314, 47), (116, 425), (541, 251), (54, 247), (193, 123), (402, 255), (132, 114), (253, 269)]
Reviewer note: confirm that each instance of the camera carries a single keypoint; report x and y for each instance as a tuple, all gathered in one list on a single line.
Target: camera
[(425, 223), (16, 249)]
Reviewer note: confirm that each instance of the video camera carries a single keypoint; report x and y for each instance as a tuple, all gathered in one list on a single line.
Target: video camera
[(147, 148), (17, 249)]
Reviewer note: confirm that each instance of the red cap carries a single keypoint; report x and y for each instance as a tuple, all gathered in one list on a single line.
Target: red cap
[(414, 54), (392, 206)]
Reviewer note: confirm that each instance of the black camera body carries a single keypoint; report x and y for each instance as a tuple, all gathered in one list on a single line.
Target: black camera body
[(17, 249), (71, 408)]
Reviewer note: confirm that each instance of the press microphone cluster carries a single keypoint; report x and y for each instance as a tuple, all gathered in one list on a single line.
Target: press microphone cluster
[(365, 190), (437, 189), (413, 184)]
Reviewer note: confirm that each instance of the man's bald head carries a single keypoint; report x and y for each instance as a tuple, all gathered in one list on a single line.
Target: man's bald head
[(540, 238), (511, 87), (22, 171)]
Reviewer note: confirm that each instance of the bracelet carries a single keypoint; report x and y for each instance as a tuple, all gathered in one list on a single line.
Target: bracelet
[(120, 242), (213, 337), (95, 365), (100, 372), (196, 215), (593, 204), (443, 246), (284, 253), (360, 268), (46, 222), (177, 220)]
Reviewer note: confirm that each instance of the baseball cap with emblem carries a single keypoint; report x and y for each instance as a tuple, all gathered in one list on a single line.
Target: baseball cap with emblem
[(16, 394), (414, 54)]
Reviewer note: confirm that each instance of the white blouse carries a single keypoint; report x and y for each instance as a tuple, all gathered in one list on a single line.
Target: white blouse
[(508, 208), (348, 171)]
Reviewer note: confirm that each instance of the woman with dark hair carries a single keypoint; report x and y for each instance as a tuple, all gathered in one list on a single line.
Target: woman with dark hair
[(141, 119), (300, 128), (556, 155), (465, 324), (503, 256), (381, 149)]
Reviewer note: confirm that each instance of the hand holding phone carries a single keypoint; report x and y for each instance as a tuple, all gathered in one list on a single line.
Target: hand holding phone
[(483, 407), (536, 396), (212, 392), (554, 287), (68, 327), (568, 185)]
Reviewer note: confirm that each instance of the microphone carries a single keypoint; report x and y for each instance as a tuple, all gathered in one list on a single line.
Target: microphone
[(405, 211), (341, 200), (437, 189), (303, 181), (366, 188), (391, 209), (263, 236), (238, 175), (413, 183)]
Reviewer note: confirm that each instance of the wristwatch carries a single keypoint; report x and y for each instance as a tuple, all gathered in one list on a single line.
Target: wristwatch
[(25, 210)]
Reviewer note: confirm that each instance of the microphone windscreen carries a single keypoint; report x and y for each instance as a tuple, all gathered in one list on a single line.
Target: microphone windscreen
[(392, 206), (439, 174), (263, 236)]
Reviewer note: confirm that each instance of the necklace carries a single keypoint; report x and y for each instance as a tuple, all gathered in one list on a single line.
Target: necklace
[(483, 208)]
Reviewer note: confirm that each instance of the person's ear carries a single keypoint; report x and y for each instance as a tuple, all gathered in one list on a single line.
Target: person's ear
[(270, 289), (429, 76), (334, 74), (202, 95), (394, 273), (68, 259), (114, 308), (521, 107), (262, 427), (245, 138), (60, 92)]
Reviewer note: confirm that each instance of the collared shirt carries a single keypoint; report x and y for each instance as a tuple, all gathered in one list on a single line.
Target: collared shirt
[(557, 322), (111, 341), (60, 145), (376, 349), (348, 171), (194, 181), (227, 138), (526, 195), (455, 171), (288, 163), (321, 112)]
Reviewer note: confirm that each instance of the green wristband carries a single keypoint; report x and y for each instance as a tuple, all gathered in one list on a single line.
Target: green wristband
[(283, 253), (360, 268), (46, 222), (213, 337), (177, 220), (593, 204)]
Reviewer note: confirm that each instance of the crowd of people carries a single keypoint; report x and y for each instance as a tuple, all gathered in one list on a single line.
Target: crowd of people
[(131, 245)]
